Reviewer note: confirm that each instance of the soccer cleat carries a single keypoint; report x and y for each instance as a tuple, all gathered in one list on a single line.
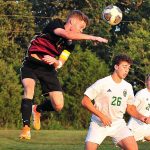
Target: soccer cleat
[(36, 118), (25, 133)]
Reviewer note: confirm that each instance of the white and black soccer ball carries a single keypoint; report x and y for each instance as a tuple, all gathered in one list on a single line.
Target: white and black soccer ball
[(112, 14)]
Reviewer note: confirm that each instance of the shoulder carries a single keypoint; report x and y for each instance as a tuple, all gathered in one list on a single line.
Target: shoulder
[(102, 81), (53, 24), (129, 85), (97, 86), (57, 21), (141, 92), (106, 79)]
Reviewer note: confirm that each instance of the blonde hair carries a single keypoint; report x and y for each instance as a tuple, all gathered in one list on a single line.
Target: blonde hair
[(79, 15)]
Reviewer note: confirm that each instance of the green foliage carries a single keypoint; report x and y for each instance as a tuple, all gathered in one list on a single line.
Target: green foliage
[(15, 31), (10, 97), (60, 8), (16, 28)]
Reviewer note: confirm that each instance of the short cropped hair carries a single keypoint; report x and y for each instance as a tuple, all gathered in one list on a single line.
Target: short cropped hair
[(122, 57), (80, 15)]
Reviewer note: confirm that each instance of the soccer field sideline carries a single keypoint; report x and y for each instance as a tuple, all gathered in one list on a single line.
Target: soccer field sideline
[(53, 140)]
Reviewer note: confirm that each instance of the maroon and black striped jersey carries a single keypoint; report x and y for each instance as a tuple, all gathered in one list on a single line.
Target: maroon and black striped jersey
[(48, 42)]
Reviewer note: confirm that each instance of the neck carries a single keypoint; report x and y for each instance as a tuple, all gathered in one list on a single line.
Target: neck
[(148, 89), (67, 26), (116, 78)]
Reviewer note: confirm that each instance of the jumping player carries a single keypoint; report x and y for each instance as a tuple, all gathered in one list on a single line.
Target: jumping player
[(56, 40)]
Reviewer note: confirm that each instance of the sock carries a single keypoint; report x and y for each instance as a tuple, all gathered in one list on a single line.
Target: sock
[(45, 106), (26, 110)]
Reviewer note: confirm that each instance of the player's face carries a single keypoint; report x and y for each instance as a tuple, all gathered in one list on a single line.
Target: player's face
[(77, 25), (122, 69)]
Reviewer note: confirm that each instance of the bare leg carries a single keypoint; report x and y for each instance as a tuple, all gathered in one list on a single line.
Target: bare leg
[(91, 146), (26, 104), (128, 143), (57, 100), (147, 138), (28, 85)]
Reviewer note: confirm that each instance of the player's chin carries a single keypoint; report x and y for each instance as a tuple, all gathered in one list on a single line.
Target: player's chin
[(124, 76)]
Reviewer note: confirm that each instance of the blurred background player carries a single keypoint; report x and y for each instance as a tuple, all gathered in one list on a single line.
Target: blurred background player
[(40, 64), (112, 96), (141, 130)]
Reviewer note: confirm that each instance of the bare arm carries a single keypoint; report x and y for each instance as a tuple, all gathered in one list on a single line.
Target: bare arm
[(86, 102), (51, 60), (78, 36), (147, 120), (131, 110)]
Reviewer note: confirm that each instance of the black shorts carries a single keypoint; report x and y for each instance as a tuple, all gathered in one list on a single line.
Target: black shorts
[(38, 70)]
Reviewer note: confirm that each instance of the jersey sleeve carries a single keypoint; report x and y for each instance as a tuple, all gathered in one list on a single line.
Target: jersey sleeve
[(63, 43), (93, 90), (69, 45), (49, 29), (138, 98), (130, 100)]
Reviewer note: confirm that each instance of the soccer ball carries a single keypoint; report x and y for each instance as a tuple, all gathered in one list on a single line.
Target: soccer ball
[(112, 14)]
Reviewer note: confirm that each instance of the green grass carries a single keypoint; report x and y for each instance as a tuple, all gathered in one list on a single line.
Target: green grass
[(53, 140)]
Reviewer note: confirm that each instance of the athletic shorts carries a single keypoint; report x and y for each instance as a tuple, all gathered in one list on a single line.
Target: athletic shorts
[(118, 131), (139, 129), (141, 132), (38, 70)]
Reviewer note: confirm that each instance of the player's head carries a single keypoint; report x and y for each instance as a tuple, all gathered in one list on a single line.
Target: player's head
[(77, 21), (121, 64), (147, 81)]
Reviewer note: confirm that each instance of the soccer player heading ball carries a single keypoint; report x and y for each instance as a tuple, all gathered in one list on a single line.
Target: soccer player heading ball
[(56, 40)]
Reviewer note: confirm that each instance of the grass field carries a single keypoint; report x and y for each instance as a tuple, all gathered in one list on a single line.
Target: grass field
[(53, 140)]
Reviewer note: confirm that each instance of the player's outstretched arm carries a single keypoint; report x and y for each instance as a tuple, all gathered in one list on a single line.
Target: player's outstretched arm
[(78, 36), (147, 120)]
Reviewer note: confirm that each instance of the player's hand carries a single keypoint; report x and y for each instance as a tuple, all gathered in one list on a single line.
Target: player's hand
[(100, 39), (106, 121), (147, 120), (142, 118), (49, 60)]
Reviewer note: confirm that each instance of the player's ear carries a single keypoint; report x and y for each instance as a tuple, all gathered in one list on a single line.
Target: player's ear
[(116, 67), (72, 21)]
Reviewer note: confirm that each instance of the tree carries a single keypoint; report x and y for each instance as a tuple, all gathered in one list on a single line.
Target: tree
[(16, 28), (10, 97)]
